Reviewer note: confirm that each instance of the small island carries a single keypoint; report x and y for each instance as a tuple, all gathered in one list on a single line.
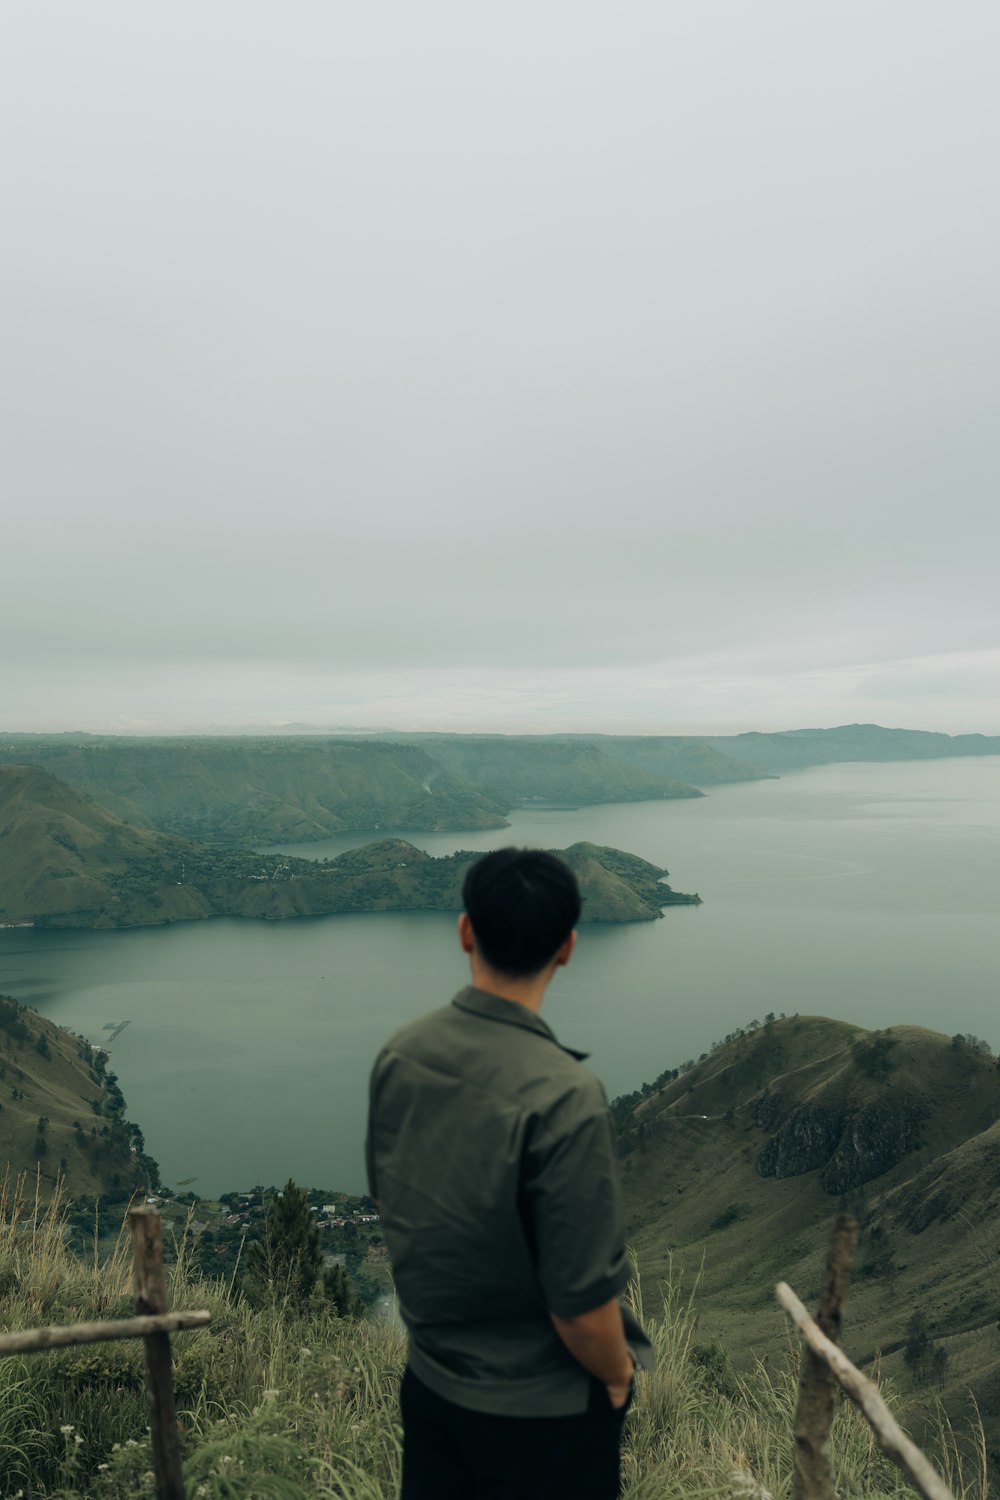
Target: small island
[(65, 861)]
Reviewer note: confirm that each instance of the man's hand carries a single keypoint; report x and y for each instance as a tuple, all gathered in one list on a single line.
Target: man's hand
[(618, 1394), (597, 1340)]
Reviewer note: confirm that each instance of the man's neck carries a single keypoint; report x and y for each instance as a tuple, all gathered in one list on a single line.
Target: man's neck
[(528, 991)]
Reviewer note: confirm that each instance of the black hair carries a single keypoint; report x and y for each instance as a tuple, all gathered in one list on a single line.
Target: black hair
[(523, 904)]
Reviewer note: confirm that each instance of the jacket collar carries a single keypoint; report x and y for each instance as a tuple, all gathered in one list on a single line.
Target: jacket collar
[(509, 1013)]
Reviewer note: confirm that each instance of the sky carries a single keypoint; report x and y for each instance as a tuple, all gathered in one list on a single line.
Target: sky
[(495, 365)]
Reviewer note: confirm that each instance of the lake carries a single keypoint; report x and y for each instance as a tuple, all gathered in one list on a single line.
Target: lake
[(865, 892)]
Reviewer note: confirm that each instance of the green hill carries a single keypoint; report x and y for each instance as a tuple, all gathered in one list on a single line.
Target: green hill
[(740, 1161), (61, 1112), (260, 790), (62, 858), (392, 875), (67, 862)]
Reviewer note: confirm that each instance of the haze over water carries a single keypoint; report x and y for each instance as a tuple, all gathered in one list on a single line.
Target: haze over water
[(864, 892)]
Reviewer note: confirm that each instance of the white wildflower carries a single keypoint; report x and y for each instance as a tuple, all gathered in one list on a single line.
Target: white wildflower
[(67, 1429), (745, 1484)]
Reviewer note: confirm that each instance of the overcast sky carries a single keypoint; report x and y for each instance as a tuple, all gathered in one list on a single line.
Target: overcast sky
[(528, 364)]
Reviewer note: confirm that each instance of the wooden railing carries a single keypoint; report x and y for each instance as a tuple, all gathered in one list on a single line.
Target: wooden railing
[(824, 1369), (154, 1325)]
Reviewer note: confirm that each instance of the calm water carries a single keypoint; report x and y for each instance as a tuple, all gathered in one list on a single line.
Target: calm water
[(866, 892)]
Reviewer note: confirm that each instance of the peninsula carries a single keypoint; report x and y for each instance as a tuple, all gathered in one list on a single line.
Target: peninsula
[(65, 861)]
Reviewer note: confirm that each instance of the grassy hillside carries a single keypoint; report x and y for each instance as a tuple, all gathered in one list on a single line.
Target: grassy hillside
[(302, 1405), (259, 790), (67, 862), (61, 1112), (741, 1160), (512, 769), (284, 1398)]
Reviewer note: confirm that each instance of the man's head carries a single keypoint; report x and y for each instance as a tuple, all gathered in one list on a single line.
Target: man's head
[(522, 906)]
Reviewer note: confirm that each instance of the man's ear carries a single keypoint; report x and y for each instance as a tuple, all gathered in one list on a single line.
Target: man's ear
[(566, 951), (466, 936)]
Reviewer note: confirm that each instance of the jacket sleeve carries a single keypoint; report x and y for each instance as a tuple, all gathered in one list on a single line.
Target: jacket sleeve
[(370, 1165), (572, 1195)]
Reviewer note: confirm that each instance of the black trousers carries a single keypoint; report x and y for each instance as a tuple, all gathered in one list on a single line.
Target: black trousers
[(451, 1453)]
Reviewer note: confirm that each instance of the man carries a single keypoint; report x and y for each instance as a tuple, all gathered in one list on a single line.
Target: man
[(491, 1153)]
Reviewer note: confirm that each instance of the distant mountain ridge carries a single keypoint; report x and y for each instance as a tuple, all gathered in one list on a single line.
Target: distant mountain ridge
[(285, 788), (713, 760), (794, 749), (66, 861)]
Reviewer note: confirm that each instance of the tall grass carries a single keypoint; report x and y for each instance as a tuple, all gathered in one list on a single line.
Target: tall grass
[(283, 1403)]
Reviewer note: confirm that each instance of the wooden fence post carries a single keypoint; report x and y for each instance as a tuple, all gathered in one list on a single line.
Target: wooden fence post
[(151, 1297), (818, 1387), (866, 1395)]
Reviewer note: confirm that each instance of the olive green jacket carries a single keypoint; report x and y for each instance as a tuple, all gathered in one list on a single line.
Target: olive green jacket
[(492, 1154)]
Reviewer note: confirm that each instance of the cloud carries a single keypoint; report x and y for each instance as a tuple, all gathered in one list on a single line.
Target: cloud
[(704, 695), (629, 365)]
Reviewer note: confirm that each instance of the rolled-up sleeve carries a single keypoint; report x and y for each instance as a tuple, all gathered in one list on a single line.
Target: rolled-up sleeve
[(574, 1209), (370, 1166)]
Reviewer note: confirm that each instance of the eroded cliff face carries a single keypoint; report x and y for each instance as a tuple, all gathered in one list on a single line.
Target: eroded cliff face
[(852, 1145), (873, 1140), (807, 1138), (810, 1096)]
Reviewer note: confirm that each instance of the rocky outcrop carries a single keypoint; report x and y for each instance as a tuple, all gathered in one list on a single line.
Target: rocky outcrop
[(807, 1139), (873, 1140), (765, 1111), (852, 1146)]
